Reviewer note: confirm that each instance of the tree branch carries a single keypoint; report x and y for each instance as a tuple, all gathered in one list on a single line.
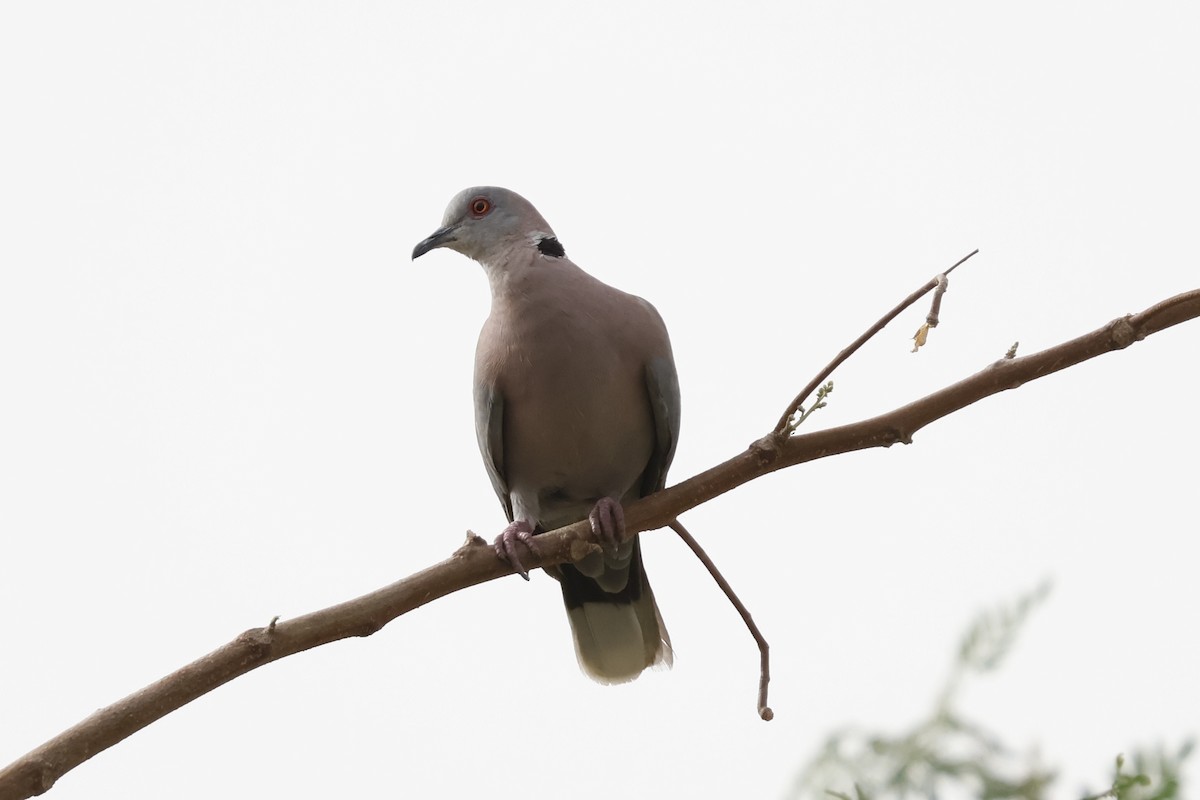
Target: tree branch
[(785, 425), (475, 562)]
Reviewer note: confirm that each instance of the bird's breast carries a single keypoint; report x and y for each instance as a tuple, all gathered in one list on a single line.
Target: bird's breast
[(577, 418)]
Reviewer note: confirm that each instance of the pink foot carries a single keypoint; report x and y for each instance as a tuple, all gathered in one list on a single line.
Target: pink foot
[(506, 545), (608, 521)]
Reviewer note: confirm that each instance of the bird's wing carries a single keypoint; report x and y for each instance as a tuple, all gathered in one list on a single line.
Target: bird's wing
[(489, 430)]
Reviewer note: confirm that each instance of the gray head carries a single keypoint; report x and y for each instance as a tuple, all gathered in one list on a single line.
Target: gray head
[(485, 221)]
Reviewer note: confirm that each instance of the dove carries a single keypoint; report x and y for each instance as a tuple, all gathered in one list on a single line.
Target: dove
[(576, 412)]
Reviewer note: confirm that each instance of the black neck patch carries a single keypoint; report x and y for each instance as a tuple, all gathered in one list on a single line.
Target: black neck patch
[(549, 246)]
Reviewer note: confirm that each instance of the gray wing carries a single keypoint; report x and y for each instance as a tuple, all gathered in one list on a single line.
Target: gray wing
[(489, 430), (662, 385)]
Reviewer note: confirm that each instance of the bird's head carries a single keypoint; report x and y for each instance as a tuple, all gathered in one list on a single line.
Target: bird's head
[(485, 221)]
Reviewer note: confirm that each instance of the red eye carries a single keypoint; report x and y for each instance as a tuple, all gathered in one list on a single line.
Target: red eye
[(480, 206)]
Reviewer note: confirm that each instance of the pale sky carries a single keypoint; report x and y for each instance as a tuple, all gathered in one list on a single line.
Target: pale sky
[(226, 393)]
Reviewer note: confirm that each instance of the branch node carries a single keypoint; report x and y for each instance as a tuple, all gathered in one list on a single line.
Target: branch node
[(258, 641), (38, 776), (1123, 333), (766, 449), (473, 540), (581, 549)]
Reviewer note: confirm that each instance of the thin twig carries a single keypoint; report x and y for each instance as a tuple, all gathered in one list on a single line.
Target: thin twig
[(782, 426), (764, 674), (935, 308)]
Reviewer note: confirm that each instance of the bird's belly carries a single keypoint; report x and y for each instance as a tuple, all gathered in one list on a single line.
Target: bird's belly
[(561, 457)]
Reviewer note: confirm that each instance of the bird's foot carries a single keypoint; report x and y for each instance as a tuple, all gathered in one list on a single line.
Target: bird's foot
[(608, 521), (506, 545)]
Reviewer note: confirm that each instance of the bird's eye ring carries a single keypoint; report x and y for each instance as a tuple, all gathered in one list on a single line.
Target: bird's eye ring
[(480, 206)]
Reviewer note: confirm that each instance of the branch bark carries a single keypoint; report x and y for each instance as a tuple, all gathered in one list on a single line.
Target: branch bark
[(475, 562)]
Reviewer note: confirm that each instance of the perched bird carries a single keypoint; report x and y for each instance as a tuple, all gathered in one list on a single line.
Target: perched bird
[(576, 412)]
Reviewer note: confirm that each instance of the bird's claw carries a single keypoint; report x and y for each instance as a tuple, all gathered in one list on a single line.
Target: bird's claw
[(506, 545), (608, 521)]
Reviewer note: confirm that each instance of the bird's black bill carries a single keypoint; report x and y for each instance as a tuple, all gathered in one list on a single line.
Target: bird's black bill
[(440, 237)]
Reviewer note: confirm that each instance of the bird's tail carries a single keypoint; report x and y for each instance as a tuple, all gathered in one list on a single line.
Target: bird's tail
[(617, 628)]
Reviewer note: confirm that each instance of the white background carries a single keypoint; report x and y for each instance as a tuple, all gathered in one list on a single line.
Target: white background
[(226, 393)]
